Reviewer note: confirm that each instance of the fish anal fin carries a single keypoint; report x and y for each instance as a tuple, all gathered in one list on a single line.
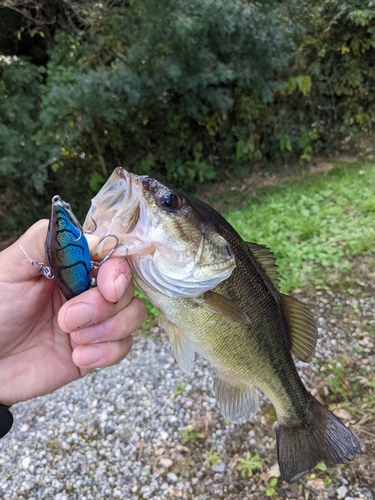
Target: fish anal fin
[(322, 437), (181, 348), (236, 400), (304, 333), (266, 260), (221, 305)]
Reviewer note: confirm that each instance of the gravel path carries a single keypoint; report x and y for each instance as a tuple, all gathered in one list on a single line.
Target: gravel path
[(144, 429)]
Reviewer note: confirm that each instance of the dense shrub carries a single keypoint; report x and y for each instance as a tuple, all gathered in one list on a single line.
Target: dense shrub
[(184, 90), (338, 52)]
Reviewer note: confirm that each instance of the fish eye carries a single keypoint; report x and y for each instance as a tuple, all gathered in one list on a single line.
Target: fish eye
[(168, 200)]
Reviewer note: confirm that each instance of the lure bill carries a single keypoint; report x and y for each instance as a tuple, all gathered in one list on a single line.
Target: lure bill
[(67, 250)]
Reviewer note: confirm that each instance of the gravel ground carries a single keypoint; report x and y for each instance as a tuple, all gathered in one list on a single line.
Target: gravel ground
[(143, 429)]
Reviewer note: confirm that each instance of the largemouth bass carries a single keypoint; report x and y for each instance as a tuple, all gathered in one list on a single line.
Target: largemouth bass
[(218, 296)]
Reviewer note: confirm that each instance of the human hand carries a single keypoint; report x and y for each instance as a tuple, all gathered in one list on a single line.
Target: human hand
[(46, 342)]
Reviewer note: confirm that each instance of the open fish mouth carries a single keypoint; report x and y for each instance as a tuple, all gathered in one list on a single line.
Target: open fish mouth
[(116, 210)]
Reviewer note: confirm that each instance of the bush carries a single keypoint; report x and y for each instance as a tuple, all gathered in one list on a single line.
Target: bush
[(336, 52), (186, 91)]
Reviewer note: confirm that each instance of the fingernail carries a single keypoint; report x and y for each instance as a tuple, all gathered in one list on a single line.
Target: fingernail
[(78, 316), (120, 284), (87, 356)]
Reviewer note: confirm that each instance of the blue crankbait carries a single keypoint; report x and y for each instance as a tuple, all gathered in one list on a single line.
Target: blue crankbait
[(68, 253), (67, 250)]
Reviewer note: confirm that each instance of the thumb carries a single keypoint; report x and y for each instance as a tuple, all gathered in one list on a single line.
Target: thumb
[(30, 246)]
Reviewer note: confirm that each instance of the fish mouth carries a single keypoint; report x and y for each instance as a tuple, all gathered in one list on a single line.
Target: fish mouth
[(116, 211)]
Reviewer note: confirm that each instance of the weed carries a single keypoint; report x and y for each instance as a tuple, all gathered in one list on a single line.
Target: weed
[(247, 465), (179, 389), (212, 458), (270, 488), (192, 435), (343, 385), (183, 467), (351, 386)]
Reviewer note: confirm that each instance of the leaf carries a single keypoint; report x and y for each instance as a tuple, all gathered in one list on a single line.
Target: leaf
[(321, 466)]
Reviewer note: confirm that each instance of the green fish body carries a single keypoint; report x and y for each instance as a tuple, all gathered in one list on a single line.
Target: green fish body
[(218, 296)]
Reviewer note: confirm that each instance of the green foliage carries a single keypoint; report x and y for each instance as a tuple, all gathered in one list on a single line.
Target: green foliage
[(302, 83), (149, 85), (185, 91), (343, 382), (315, 223), (270, 488), (248, 465), (23, 153), (337, 52), (321, 466), (179, 389), (96, 181), (192, 435), (212, 457)]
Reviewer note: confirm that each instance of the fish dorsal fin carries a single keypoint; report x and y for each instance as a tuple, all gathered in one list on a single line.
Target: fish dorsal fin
[(221, 305), (304, 333), (182, 350), (236, 400), (266, 260)]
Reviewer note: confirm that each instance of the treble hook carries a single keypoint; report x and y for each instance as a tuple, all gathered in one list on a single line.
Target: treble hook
[(96, 265), (95, 227)]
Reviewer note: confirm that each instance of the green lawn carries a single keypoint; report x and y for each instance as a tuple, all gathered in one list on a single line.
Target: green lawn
[(315, 223)]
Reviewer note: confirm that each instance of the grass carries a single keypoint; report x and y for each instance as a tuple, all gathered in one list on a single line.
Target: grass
[(315, 223)]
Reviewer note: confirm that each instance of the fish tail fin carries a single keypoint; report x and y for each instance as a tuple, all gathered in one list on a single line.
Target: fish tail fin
[(322, 437)]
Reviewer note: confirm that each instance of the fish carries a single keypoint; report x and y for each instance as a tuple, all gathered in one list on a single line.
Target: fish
[(219, 296), (67, 251)]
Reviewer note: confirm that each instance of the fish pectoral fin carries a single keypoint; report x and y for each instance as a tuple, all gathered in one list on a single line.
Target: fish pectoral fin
[(221, 305), (303, 331), (266, 260), (236, 400), (181, 349)]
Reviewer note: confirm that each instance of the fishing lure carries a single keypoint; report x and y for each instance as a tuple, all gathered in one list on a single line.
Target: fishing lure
[(67, 250), (68, 253)]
